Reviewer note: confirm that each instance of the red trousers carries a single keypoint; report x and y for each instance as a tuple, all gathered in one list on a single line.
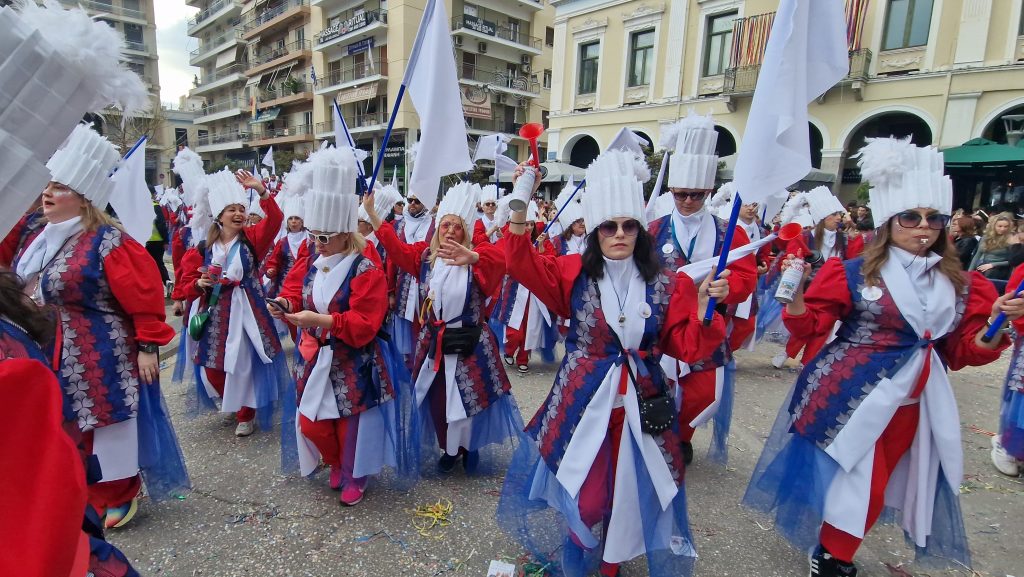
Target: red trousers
[(336, 441), (889, 449), (595, 498), (515, 345), (741, 329), (109, 494), (216, 377), (698, 394)]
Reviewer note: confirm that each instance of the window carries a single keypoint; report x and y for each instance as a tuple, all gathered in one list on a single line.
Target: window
[(300, 36), (907, 24), (549, 36), (641, 58), (181, 136), (133, 33), (1020, 31), (719, 44), (547, 78), (588, 68), (545, 119), (469, 65)]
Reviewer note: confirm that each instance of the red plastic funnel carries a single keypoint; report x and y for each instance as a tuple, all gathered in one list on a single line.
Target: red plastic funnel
[(531, 131)]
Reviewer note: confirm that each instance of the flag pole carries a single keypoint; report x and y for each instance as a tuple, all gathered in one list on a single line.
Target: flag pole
[(723, 256), (561, 208), (387, 135)]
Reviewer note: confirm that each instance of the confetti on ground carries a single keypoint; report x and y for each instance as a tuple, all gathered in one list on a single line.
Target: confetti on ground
[(382, 533), (897, 571), (980, 431), (426, 518)]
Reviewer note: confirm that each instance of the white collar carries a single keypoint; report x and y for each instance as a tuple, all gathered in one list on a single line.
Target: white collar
[(691, 220), (45, 246), (915, 265), (619, 272), (829, 238)]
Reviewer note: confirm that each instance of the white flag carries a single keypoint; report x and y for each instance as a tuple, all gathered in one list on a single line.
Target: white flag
[(702, 268), (806, 55), (268, 160), (629, 141), (131, 199), (433, 84), (490, 146)]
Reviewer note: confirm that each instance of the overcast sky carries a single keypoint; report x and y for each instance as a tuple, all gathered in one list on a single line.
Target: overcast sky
[(173, 46)]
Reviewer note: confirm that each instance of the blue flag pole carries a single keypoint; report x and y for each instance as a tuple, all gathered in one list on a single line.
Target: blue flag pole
[(561, 208), (723, 257), (1000, 320), (130, 152), (387, 136)]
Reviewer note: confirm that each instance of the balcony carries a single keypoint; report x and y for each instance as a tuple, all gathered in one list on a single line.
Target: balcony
[(284, 135), (214, 12), (231, 140), (106, 8), (285, 93), (219, 110), (214, 47), (742, 80), (499, 80), (258, 22), (357, 124), (482, 29), (340, 79), (273, 57), (219, 78), (361, 22), (483, 126)]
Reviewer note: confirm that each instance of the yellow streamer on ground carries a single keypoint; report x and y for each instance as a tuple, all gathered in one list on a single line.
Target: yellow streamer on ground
[(426, 518)]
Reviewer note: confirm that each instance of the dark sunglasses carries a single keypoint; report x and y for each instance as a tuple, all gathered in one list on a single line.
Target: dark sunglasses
[(911, 219), (414, 201), (322, 238), (689, 195), (630, 227)]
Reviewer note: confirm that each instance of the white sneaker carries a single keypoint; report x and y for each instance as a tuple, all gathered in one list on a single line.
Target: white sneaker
[(1002, 460), (245, 429), (779, 360)]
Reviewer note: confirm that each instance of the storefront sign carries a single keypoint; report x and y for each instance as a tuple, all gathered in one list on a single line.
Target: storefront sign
[(364, 92), (476, 102), (361, 46), (479, 25), (342, 27)]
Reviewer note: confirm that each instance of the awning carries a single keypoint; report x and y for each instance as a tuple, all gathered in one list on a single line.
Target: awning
[(982, 152), (226, 57), (254, 80), (266, 115)]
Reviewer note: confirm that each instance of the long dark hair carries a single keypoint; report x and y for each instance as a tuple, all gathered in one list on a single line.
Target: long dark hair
[(16, 306), (643, 255)]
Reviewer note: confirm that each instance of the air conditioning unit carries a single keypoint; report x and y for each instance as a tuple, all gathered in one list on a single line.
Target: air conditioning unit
[(500, 98), (521, 102), (525, 59), (457, 41), (481, 47), (525, 68)]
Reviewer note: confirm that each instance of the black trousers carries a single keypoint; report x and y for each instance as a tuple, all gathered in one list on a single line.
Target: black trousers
[(156, 250)]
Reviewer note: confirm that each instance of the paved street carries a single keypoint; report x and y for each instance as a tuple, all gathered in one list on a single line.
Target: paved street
[(243, 518)]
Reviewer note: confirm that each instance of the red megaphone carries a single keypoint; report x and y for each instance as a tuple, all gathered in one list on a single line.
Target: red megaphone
[(531, 131), (794, 231)]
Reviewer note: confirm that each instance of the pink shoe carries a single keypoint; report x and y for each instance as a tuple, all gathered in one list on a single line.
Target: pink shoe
[(351, 495), (335, 479)]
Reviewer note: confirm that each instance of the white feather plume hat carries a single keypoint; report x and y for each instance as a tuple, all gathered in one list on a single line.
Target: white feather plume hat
[(720, 204), (224, 190), (573, 209), (823, 203), (84, 164), (332, 204), (189, 167), (489, 193), (613, 190), (460, 200), (692, 141), (384, 200), (797, 209), (903, 177)]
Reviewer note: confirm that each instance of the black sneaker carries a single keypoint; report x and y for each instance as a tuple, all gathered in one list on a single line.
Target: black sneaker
[(687, 452), (447, 463), (823, 564), (471, 461)]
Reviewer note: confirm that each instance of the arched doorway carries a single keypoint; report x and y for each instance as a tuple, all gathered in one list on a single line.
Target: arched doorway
[(583, 151), (884, 125), (726, 143), (646, 137), (817, 143), (996, 130)]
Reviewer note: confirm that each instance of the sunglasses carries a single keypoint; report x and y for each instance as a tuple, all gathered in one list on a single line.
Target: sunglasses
[(322, 238), (911, 219), (490, 204), (451, 226), (630, 227), (414, 201), (689, 195)]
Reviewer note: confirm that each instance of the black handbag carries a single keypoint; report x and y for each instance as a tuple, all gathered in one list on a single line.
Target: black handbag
[(460, 341)]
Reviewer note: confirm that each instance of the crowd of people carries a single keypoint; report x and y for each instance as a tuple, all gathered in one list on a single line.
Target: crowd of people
[(406, 321)]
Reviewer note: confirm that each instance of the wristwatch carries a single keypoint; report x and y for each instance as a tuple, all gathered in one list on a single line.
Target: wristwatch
[(144, 347)]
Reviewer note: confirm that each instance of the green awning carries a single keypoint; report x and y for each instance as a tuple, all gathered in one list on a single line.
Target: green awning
[(266, 115), (983, 152)]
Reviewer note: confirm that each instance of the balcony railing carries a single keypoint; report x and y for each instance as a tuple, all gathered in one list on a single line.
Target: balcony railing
[(221, 106), (139, 46), (261, 17), (356, 72), (222, 138), (490, 29), (221, 74), (213, 44), (265, 56), (210, 12), (743, 79), (498, 124), (357, 21), (283, 132), (355, 121), (284, 89), (105, 7), (500, 78)]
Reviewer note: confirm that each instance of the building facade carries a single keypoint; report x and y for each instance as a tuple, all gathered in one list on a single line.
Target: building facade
[(940, 71), (178, 128)]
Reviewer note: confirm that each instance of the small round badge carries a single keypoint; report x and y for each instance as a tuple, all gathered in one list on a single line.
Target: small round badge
[(666, 249), (871, 293), (645, 310)]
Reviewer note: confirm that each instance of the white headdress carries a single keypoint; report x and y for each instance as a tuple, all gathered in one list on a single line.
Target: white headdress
[(823, 203), (224, 191), (489, 193), (613, 190), (460, 200), (903, 177), (84, 164), (384, 200), (797, 209), (573, 210), (254, 207), (721, 203), (189, 167), (693, 163), (332, 204)]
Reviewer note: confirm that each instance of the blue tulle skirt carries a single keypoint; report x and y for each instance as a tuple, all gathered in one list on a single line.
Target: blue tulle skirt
[(769, 315), (160, 459), (791, 481), (495, 430), (1011, 414), (722, 421), (401, 335), (539, 513), (181, 358)]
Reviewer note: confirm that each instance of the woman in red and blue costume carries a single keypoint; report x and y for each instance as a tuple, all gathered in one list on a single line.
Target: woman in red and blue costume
[(1008, 446), (464, 401), (872, 422), (238, 357), (591, 479)]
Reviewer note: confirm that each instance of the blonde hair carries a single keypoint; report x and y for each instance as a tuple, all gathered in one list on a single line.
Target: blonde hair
[(993, 240), (435, 242), (93, 218)]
